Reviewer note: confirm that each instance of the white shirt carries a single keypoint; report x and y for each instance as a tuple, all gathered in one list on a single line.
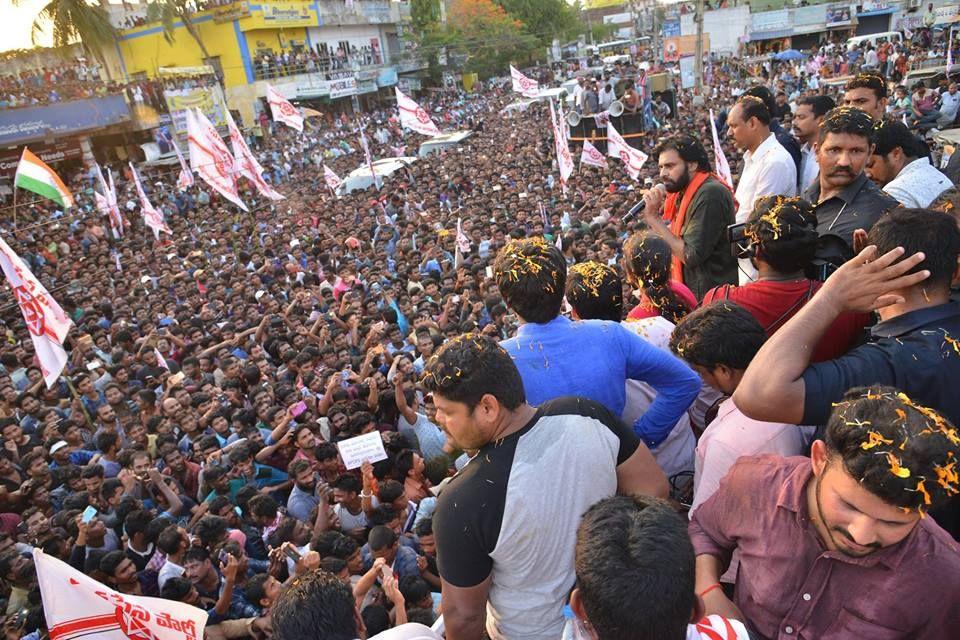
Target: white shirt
[(167, 571), (809, 167), (949, 104), (731, 435), (918, 184), (768, 171), (675, 453)]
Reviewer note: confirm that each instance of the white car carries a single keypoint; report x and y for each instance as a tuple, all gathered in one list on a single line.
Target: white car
[(361, 178)]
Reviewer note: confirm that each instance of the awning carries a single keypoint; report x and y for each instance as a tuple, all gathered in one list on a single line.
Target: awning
[(770, 35), (876, 12)]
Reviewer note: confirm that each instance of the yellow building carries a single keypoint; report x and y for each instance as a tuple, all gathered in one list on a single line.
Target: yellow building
[(239, 35)]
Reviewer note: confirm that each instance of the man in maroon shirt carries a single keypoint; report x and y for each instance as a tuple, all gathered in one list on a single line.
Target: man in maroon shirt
[(840, 548), (781, 240)]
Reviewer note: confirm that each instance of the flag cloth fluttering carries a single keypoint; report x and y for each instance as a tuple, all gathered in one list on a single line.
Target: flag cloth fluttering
[(34, 175)]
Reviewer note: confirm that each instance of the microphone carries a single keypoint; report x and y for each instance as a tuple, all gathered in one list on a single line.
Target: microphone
[(637, 209)]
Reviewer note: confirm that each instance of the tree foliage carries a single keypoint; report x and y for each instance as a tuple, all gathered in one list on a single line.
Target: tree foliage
[(76, 20), (545, 19), (488, 35), (168, 12)]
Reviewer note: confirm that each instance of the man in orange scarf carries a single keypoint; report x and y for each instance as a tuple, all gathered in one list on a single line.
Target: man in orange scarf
[(692, 214)]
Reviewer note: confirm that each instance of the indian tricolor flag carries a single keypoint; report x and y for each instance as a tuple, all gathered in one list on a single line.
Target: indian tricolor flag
[(34, 175)]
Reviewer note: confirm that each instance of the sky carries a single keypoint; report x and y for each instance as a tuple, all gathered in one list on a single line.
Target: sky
[(17, 24)]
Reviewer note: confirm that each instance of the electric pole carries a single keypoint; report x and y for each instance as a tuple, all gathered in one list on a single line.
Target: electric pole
[(698, 60)]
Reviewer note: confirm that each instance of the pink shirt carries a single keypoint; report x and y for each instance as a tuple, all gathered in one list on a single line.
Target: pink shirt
[(731, 435)]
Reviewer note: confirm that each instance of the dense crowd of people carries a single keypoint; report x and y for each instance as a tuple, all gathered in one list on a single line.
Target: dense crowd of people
[(729, 416)]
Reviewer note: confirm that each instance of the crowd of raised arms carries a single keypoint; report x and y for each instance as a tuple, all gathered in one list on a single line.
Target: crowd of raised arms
[(666, 426)]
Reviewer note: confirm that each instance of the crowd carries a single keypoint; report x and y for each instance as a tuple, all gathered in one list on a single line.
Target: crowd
[(323, 59), (729, 416)]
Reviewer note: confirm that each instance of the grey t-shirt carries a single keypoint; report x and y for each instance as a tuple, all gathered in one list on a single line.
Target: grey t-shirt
[(513, 513)]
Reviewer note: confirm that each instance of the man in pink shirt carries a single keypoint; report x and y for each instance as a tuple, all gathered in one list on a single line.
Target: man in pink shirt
[(718, 341)]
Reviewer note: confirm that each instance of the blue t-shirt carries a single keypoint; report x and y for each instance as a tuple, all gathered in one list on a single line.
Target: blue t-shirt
[(594, 359)]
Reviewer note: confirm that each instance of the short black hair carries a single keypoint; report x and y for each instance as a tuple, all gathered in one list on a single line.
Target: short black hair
[(870, 81), (754, 107), (785, 232), (531, 276), (931, 232), (381, 537), (849, 120), (762, 92), (635, 569), (595, 291), (471, 366), (890, 134), (820, 105), (110, 561), (720, 333), (176, 588), (689, 149), (903, 453), (315, 605)]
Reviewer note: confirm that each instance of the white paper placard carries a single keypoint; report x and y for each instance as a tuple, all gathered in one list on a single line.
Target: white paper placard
[(355, 451)]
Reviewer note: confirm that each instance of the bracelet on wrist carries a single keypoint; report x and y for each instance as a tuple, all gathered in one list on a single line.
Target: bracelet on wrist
[(715, 585)]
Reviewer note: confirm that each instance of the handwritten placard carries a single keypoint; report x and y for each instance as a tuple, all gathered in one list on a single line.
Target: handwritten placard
[(355, 451)]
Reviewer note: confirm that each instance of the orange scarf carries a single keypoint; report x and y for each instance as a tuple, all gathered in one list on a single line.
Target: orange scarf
[(675, 213)]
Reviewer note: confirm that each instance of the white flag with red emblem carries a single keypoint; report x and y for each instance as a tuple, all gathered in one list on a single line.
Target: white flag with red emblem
[(152, 217), (527, 87), (210, 157), (592, 156), (247, 164), (333, 180), (564, 159), (415, 117), (107, 203), (633, 159), (46, 321), (283, 111), (719, 159), (369, 159), (75, 605), (185, 179), (160, 359)]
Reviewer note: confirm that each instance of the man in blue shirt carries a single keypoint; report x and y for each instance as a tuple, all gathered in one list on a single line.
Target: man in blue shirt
[(592, 358)]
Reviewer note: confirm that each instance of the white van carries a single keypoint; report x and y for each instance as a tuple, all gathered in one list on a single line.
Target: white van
[(874, 38)]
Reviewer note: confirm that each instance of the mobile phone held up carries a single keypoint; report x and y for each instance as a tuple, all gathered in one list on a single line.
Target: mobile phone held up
[(297, 409)]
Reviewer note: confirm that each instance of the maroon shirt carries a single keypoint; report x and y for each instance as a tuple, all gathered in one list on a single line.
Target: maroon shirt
[(789, 586)]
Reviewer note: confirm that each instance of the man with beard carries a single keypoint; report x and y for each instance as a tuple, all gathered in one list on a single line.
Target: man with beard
[(303, 498), (833, 542), (844, 198), (698, 208)]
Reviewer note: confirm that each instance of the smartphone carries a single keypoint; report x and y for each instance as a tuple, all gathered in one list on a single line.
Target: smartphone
[(94, 364), (386, 571), (88, 514), (489, 272), (291, 552), (298, 408)]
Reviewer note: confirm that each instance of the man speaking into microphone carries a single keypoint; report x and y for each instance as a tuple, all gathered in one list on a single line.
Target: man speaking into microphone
[(692, 212)]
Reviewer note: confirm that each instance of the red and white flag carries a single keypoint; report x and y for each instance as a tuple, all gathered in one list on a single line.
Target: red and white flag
[(719, 159), (633, 159), (160, 359), (107, 203), (247, 163), (75, 606), (152, 217), (592, 156), (210, 157), (564, 159), (415, 117), (369, 158), (283, 111), (333, 180), (527, 87), (46, 321), (185, 179)]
